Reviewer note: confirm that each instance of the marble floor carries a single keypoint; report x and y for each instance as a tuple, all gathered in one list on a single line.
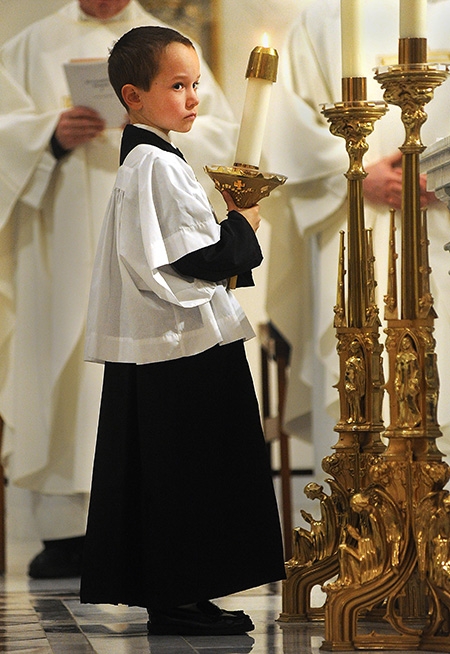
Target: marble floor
[(46, 617), (40, 617)]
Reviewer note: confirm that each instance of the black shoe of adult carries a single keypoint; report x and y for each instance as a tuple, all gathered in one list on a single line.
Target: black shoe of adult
[(59, 559), (201, 619)]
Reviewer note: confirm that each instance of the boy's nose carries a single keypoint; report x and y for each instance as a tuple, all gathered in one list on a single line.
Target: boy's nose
[(192, 100)]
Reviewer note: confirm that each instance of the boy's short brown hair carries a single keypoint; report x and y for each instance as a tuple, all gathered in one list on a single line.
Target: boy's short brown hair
[(135, 57)]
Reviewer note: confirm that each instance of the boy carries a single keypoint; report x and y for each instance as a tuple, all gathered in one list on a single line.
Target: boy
[(182, 506)]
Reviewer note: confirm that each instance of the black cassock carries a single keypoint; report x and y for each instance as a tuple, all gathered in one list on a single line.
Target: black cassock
[(182, 502)]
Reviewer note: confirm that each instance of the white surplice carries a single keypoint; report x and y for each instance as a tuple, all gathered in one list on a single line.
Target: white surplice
[(141, 310)]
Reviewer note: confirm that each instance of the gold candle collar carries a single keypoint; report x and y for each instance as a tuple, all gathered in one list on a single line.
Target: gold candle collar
[(412, 51), (354, 89), (263, 63)]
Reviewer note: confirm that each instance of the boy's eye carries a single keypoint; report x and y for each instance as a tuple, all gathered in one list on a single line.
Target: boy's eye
[(179, 85)]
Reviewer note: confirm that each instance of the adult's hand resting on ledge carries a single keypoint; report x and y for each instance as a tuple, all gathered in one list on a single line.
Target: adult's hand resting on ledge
[(383, 184)]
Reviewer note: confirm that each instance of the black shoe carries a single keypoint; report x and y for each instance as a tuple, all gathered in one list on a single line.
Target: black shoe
[(201, 619), (59, 559)]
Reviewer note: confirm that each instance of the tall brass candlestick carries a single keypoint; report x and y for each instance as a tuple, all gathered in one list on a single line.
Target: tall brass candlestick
[(388, 542), (401, 514), (316, 560)]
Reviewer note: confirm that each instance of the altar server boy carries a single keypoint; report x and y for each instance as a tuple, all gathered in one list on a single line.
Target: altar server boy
[(182, 506)]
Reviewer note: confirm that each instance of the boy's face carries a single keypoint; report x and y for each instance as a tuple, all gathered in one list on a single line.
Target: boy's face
[(171, 102)]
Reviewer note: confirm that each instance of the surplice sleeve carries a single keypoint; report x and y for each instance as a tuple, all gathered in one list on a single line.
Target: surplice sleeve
[(236, 253)]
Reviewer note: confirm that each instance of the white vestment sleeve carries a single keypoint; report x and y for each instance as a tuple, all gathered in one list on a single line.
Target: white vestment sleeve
[(300, 144), (24, 135), (25, 171)]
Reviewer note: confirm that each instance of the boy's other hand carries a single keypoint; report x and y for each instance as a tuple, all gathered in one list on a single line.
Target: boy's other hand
[(251, 215)]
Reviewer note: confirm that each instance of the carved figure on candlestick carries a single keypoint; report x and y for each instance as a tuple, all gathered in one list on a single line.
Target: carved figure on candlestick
[(407, 383), (440, 545), (319, 542), (433, 538), (432, 384), (355, 382), (366, 560)]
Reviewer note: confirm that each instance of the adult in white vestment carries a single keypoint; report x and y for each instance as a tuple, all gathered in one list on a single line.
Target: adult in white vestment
[(315, 161), (57, 170)]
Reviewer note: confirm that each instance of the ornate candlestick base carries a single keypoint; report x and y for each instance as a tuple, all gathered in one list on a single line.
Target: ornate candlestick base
[(246, 185)]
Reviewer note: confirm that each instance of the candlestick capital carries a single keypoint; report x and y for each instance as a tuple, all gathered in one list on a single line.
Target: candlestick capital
[(354, 121), (411, 86), (263, 64)]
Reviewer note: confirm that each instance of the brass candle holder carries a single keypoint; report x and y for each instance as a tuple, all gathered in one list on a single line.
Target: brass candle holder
[(247, 185)]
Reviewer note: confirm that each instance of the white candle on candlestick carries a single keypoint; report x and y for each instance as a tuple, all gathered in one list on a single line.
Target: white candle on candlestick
[(261, 73), (413, 19), (351, 28), (253, 123)]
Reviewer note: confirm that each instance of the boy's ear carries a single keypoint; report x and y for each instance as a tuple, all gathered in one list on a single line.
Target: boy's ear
[(131, 96)]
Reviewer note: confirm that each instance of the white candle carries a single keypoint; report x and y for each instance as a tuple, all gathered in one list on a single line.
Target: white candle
[(261, 73), (413, 19), (351, 39), (253, 123)]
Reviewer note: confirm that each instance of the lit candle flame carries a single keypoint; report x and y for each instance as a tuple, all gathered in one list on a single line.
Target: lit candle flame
[(265, 40)]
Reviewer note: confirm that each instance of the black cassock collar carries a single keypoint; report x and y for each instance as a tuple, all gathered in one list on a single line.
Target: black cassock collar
[(133, 136)]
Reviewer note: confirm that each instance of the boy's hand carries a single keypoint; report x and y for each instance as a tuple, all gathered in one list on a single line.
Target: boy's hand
[(251, 215)]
